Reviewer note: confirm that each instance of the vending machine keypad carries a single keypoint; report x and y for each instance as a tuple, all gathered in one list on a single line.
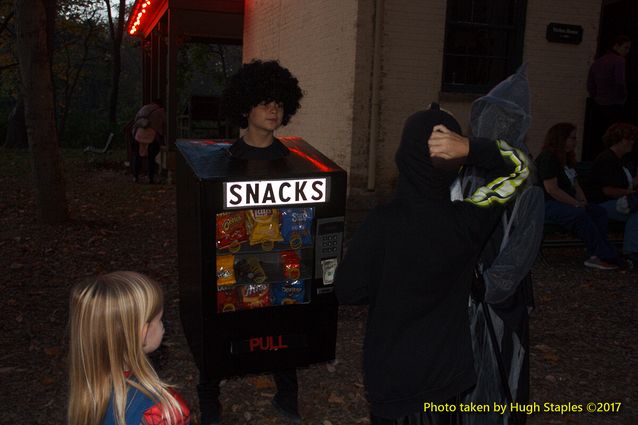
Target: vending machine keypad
[(328, 244)]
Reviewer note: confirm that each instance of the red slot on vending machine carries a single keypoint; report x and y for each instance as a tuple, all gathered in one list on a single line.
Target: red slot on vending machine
[(258, 244)]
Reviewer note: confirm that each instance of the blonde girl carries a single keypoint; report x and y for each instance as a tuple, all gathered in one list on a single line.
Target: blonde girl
[(115, 321)]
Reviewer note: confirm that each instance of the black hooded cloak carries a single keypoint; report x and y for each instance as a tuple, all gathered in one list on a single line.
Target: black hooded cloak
[(412, 261)]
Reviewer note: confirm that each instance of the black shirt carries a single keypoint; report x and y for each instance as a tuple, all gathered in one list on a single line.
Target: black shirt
[(241, 150), (548, 167), (607, 171)]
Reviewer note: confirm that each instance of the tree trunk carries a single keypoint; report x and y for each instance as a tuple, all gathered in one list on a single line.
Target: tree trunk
[(115, 84), (116, 30), (33, 41)]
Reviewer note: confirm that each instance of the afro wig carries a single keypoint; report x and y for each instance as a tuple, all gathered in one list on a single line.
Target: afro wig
[(257, 82)]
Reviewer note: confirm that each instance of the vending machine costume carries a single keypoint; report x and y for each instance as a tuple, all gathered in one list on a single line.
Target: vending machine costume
[(261, 97), (258, 244)]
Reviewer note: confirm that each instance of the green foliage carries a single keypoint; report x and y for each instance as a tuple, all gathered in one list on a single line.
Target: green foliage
[(204, 68), (81, 71), (9, 72)]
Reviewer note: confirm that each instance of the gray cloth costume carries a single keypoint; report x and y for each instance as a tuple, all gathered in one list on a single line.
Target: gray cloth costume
[(505, 262)]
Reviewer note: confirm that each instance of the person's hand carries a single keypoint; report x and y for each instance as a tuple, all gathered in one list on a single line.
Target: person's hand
[(446, 144)]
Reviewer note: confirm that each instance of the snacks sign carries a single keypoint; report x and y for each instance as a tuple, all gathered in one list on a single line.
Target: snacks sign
[(262, 193)]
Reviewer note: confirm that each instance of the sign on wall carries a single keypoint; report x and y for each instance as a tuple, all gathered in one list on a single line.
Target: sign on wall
[(564, 33)]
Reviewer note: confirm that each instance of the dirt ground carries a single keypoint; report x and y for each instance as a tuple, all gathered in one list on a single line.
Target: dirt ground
[(583, 332)]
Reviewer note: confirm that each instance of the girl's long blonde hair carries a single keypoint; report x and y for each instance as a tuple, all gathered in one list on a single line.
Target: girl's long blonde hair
[(106, 320)]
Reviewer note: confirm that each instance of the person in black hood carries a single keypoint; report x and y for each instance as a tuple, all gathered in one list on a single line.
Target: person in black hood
[(502, 294), (412, 262)]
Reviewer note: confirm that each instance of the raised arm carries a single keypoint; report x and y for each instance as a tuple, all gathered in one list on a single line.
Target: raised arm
[(501, 189), (510, 165)]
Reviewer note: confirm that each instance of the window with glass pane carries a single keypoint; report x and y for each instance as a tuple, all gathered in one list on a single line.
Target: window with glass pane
[(483, 43)]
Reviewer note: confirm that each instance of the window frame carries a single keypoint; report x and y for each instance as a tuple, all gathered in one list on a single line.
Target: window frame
[(514, 55)]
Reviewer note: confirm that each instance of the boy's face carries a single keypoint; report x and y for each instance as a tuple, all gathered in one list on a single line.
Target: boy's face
[(266, 116)]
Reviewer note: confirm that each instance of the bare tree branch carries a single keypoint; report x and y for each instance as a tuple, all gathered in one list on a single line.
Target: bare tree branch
[(116, 32), (4, 24), (72, 78), (110, 16), (33, 41), (11, 65)]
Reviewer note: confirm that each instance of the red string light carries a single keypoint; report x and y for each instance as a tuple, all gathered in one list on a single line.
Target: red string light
[(139, 10)]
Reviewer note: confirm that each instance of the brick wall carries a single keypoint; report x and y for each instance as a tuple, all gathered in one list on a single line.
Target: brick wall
[(557, 71), (328, 45), (316, 40), (412, 63)]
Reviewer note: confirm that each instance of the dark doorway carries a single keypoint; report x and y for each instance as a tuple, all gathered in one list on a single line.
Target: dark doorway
[(203, 66), (621, 17), (618, 17)]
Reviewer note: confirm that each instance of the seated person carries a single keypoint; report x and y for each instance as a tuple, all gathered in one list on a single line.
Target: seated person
[(613, 186), (565, 202)]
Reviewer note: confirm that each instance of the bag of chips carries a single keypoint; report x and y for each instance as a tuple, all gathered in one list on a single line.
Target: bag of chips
[(227, 299), (296, 226), (250, 270), (263, 227), (291, 292), (231, 230), (254, 296), (225, 270), (290, 265)]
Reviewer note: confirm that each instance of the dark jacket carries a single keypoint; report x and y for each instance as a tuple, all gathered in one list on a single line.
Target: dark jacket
[(241, 150), (412, 261), (607, 171)]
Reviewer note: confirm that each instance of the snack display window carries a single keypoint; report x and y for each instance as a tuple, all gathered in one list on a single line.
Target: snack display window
[(264, 258), (258, 244)]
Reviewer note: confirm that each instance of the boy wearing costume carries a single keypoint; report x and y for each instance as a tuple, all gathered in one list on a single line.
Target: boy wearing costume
[(412, 261), (502, 298)]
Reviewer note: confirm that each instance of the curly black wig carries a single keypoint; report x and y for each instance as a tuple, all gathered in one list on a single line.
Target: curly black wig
[(257, 82)]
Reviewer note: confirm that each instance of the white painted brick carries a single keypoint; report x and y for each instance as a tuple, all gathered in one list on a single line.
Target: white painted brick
[(327, 44)]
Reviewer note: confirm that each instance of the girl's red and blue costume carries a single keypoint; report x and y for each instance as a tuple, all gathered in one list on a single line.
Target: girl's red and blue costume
[(143, 410)]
